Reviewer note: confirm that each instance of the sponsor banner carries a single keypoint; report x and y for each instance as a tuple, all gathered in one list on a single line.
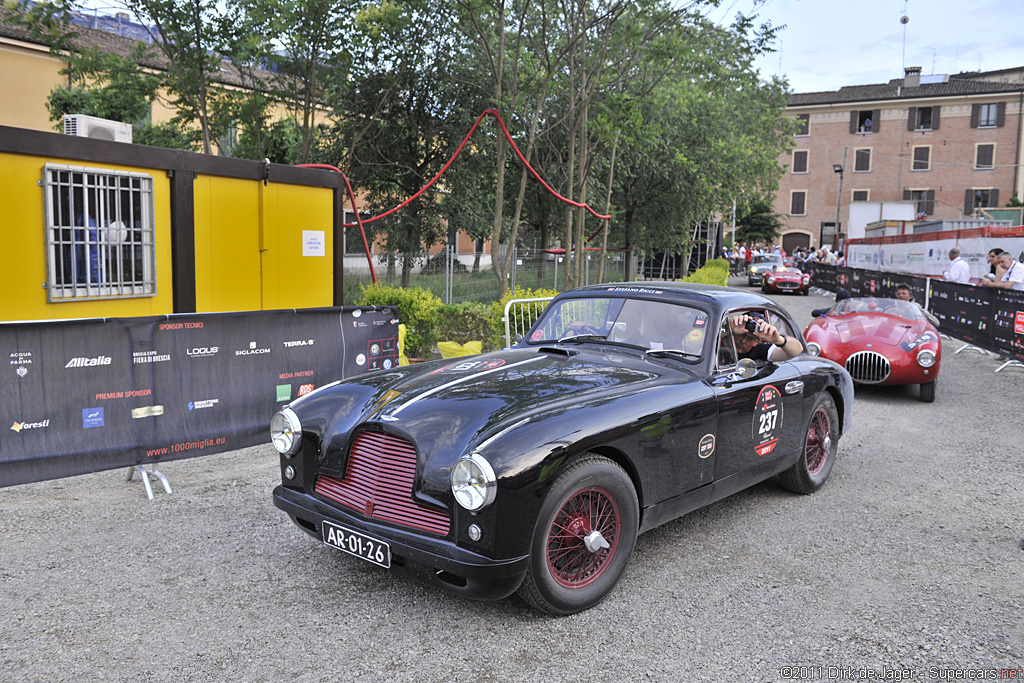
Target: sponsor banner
[(991, 319), (88, 395)]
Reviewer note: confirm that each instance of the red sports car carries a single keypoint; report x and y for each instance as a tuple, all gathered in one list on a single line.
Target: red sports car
[(786, 280), (879, 341)]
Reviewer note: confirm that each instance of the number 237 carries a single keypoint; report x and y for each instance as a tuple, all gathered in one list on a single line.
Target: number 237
[(768, 421)]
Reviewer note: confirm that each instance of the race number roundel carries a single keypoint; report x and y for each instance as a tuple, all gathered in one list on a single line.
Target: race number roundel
[(767, 420)]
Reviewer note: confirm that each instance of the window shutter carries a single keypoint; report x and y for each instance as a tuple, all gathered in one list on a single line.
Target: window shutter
[(935, 117), (929, 204), (1001, 114), (969, 202), (906, 195), (912, 119), (993, 198), (853, 121), (876, 120), (975, 115)]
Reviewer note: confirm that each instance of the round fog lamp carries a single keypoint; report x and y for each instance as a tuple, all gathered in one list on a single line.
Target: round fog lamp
[(475, 532), (289, 472), (926, 358), (473, 482), (813, 349), (285, 432)]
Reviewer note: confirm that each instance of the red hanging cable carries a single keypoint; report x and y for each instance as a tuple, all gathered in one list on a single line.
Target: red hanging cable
[(359, 220)]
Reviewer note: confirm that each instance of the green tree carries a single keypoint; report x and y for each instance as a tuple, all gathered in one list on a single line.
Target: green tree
[(758, 223)]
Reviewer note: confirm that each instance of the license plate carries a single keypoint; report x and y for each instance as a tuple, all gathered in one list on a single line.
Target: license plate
[(355, 543)]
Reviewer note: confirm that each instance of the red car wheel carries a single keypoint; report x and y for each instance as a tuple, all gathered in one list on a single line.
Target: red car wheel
[(822, 436), (583, 538)]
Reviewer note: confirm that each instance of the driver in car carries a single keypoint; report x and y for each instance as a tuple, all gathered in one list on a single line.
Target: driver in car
[(765, 342)]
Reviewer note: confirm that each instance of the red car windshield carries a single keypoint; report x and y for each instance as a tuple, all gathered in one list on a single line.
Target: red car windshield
[(908, 310)]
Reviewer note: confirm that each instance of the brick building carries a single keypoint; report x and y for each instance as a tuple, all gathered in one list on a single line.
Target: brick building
[(949, 144)]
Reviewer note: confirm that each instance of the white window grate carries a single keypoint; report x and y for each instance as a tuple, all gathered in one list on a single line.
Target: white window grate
[(100, 236)]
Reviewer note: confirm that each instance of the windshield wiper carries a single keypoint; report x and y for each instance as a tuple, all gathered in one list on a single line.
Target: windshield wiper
[(673, 352), (581, 337)]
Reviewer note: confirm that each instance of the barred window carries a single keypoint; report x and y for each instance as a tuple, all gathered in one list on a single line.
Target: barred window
[(99, 233)]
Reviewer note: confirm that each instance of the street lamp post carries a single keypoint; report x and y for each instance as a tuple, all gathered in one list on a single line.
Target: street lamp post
[(838, 168)]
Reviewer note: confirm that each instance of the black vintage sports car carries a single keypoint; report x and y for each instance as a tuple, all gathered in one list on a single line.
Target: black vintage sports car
[(534, 468)]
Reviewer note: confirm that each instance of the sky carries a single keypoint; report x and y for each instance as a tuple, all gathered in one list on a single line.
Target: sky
[(828, 44)]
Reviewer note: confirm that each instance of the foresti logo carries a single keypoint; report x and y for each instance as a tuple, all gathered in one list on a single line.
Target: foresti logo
[(88, 362), (20, 426)]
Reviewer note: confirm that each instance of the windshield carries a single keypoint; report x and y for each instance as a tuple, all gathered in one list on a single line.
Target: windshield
[(907, 310), (649, 325), (768, 258)]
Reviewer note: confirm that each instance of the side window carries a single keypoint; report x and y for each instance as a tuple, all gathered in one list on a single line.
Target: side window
[(100, 237), (726, 348), (782, 325)]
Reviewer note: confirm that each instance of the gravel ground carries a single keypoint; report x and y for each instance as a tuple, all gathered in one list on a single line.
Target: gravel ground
[(909, 562)]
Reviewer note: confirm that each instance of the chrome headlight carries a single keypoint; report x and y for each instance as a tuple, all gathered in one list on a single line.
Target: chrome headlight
[(813, 349), (286, 432), (473, 482), (926, 358)]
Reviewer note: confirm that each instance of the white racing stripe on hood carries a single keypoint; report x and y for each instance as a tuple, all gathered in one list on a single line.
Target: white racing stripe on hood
[(446, 385)]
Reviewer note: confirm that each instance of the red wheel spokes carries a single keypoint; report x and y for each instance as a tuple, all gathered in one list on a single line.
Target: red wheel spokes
[(570, 562), (818, 437)]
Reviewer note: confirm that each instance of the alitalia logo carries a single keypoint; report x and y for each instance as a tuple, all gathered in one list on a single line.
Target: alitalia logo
[(88, 362)]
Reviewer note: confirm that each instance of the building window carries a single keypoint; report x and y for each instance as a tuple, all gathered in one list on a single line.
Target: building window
[(984, 156), (100, 238), (923, 118), (354, 238), (924, 201), (862, 161), (864, 120), (800, 161), (860, 195), (798, 203), (991, 115), (980, 199), (803, 123), (922, 158)]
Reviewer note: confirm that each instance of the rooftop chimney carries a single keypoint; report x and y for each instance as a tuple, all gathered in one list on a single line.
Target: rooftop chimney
[(912, 77)]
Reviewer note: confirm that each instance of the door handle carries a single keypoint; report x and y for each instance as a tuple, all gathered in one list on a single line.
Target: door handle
[(794, 387)]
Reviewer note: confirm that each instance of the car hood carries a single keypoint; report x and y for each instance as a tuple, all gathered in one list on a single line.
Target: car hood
[(449, 408), (872, 327)]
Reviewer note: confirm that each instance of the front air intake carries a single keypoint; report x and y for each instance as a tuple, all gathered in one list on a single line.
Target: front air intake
[(379, 483), (868, 367)]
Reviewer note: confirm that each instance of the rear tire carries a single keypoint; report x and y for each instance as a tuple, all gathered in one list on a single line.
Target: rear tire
[(564, 576), (819, 454), (928, 391)]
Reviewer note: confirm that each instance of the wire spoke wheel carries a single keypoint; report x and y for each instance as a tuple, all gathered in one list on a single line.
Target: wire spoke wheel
[(571, 563), (583, 538), (819, 441)]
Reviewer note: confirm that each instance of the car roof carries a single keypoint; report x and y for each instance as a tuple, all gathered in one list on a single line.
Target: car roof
[(711, 296)]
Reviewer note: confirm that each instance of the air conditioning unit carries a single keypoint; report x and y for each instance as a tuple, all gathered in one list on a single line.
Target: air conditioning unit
[(96, 128)]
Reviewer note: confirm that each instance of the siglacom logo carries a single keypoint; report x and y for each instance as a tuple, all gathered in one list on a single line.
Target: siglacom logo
[(252, 350), (88, 362)]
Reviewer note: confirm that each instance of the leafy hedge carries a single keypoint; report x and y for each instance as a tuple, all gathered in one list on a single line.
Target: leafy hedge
[(714, 272)]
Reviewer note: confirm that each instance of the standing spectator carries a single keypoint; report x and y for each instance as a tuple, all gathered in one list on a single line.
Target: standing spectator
[(1013, 273), (958, 271), (748, 257)]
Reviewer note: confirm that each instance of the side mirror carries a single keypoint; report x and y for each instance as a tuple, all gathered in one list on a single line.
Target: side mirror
[(817, 313), (746, 368)]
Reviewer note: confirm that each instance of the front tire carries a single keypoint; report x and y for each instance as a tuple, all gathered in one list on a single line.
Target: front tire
[(819, 453), (928, 391), (570, 568)]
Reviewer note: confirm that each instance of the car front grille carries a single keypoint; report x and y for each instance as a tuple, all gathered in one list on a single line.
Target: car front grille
[(786, 284), (379, 482), (868, 367)]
